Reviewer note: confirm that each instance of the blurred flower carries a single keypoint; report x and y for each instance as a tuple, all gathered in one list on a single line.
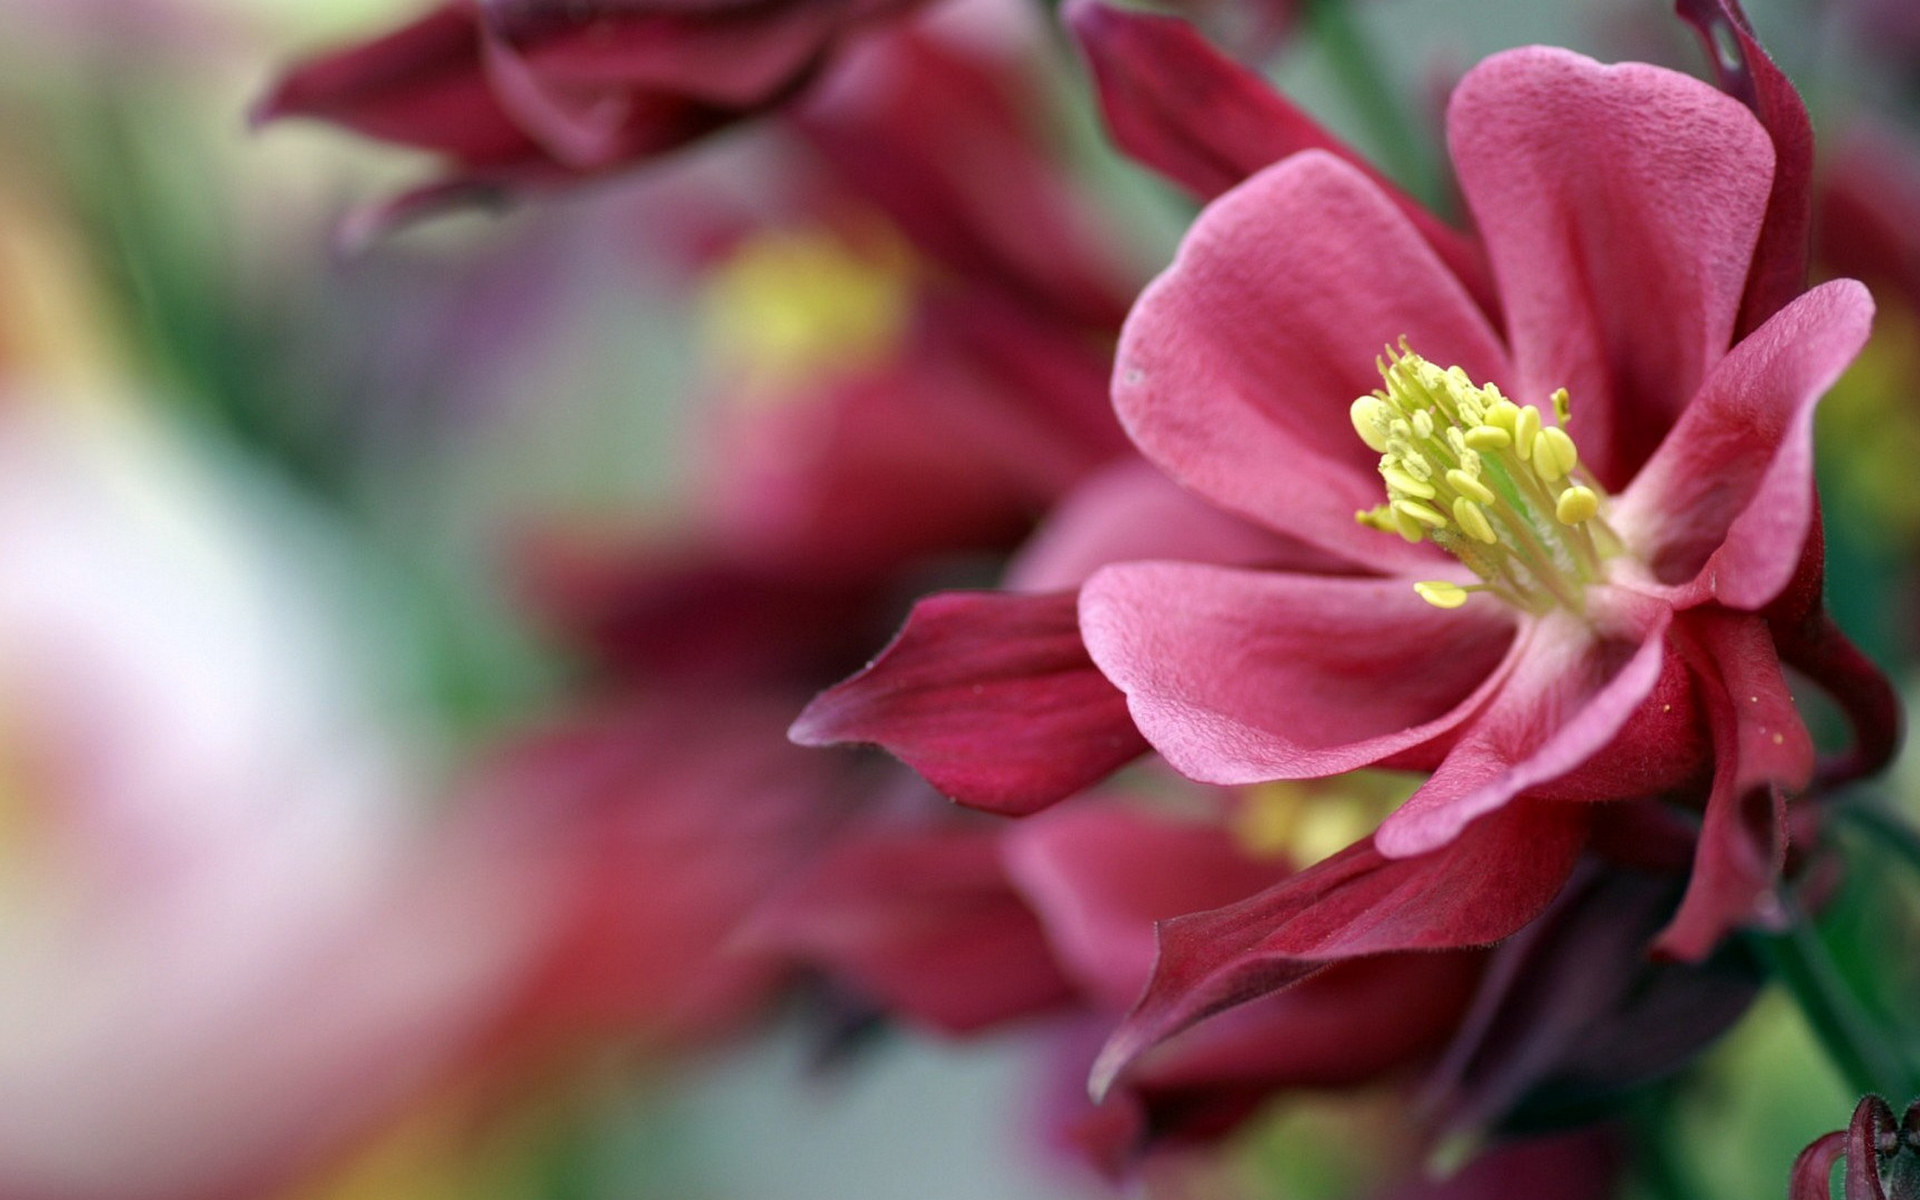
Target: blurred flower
[(535, 93), (1882, 1158), (229, 945)]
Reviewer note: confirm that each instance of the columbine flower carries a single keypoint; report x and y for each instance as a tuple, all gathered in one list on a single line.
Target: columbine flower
[(1569, 513), (1882, 1157)]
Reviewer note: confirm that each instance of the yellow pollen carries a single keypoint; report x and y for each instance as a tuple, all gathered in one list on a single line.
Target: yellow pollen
[(1470, 487), (1554, 451), (1420, 513), (1488, 480), (1440, 593), (1526, 427), (1575, 505), (1473, 519)]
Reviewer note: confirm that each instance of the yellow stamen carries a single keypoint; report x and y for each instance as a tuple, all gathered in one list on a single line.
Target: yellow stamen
[(1487, 480), (1576, 504), (1473, 519), (1440, 593)]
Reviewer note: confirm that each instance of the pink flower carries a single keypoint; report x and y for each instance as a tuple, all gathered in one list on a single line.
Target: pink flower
[(1607, 636), (1619, 634)]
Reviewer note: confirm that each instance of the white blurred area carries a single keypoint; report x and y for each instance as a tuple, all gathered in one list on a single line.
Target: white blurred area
[(227, 939)]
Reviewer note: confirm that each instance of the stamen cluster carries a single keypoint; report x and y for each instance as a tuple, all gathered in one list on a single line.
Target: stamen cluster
[(1487, 480)]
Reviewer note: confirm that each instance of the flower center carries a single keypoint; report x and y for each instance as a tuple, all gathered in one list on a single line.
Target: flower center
[(1486, 480), (789, 308)]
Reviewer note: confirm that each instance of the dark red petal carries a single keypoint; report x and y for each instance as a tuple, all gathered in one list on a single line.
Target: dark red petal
[(1779, 271), (1495, 878), (1813, 1171), (1180, 106), (991, 697), (924, 923), (1762, 755), (420, 85), (1872, 1119)]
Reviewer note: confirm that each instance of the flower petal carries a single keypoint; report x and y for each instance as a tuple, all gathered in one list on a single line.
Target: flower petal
[(990, 696), (1620, 207), (1131, 512), (1569, 694), (1780, 259), (1099, 877), (1725, 505), (1240, 676), (1483, 887), (1238, 365), (1178, 105), (1762, 755), (924, 923)]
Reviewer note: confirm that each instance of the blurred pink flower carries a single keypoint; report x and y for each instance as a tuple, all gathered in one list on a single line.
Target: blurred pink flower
[(230, 943)]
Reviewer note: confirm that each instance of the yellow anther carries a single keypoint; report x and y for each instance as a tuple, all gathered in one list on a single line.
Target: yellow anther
[(1370, 417), (1467, 485), (1401, 481), (1554, 454), (1440, 593), (1488, 437), (1474, 520), (1423, 424), (1419, 512), (1457, 442), (1575, 505), (1501, 414), (1526, 427), (1562, 405), (1415, 464), (1404, 525)]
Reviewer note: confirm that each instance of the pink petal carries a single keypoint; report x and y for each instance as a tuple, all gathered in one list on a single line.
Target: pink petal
[(1780, 259), (1762, 755), (1620, 206), (1583, 1165), (1483, 887), (1130, 512), (991, 697), (1238, 365), (1569, 694), (1178, 105), (1100, 876), (1240, 676), (1726, 503)]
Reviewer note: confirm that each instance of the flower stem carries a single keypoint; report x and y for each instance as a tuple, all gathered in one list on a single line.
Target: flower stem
[(1369, 89), (1886, 829), (1857, 1047)]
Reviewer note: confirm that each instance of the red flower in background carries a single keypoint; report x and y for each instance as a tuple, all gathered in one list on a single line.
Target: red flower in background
[(532, 93)]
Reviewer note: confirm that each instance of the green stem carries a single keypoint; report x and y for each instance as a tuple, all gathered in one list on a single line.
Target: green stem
[(1885, 828), (1855, 1044), (1405, 149)]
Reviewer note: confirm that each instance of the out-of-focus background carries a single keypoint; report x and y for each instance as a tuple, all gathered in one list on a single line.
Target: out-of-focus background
[(289, 527)]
